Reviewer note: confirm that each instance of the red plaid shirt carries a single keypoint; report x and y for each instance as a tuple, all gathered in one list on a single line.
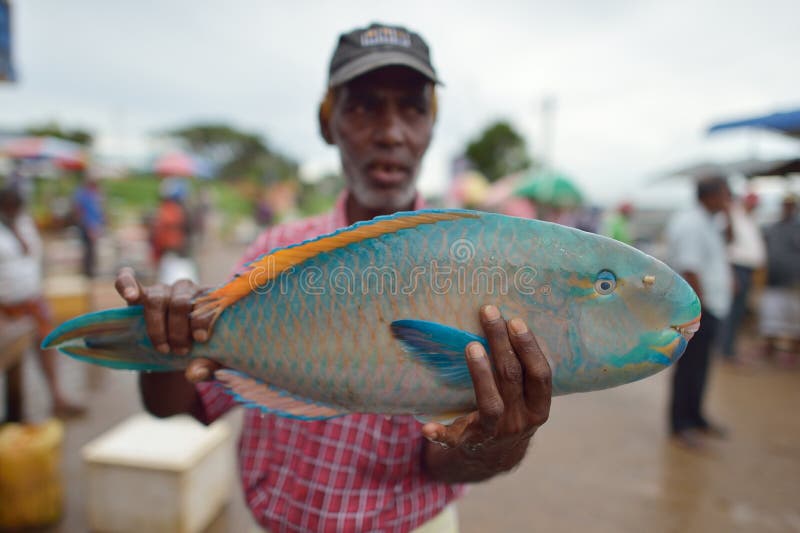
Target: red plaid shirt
[(352, 473)]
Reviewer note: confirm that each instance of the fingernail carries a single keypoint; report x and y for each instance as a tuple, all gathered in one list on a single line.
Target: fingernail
[(201, 374), (475, 351), (163, 348), (491, 312), (200, 335), (129, 293), (517, 326), (435, 440)]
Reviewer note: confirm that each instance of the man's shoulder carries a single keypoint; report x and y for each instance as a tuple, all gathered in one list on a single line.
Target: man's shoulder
[(295, 231), (684, 216)]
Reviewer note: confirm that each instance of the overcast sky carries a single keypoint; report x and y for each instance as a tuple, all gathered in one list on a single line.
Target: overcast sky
[(636, 83)]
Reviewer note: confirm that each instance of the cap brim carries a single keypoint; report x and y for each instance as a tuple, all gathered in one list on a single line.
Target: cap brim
[(378, 60)]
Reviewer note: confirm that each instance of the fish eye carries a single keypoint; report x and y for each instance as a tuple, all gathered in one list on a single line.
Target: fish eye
[(605, 283)]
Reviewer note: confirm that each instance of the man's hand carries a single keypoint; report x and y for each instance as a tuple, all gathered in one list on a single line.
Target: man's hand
[(167, 315), (512, 392)]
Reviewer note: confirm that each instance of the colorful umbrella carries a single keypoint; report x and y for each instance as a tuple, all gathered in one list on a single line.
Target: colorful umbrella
[(470, 188), (786, 122), (65, 154), (182, 164), (503, 189), (550, 188)]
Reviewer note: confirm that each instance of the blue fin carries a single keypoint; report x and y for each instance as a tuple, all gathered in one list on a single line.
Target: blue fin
[(114, 338), (252, 392), (439, 347)]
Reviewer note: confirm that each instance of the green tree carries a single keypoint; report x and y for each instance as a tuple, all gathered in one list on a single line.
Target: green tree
[(53, 129), (498, 151), (320, 196), (237, 154)]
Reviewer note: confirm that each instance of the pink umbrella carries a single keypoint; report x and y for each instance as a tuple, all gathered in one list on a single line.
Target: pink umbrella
[(181, 164), (65, 154), (502, 189), (175, 164)]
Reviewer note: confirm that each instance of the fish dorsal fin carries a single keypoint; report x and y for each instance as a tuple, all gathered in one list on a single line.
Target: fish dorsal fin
[(269, 266)]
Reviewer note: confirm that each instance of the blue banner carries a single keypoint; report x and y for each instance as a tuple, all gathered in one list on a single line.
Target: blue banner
[(6, 65)]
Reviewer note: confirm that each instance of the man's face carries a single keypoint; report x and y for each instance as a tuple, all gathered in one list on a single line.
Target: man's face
[(382, 123), (720, 200), (9, 209), (789, 209)]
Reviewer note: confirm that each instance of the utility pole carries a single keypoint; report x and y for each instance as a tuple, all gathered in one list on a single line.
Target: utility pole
[(548, 111)]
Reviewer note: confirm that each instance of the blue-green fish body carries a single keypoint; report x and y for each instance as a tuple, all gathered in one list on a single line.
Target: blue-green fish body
[(375, 317)]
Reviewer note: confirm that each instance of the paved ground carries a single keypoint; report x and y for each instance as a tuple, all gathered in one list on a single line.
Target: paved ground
[(601, 464)]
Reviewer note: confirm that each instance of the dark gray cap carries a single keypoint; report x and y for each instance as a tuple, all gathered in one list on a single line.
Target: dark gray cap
[(364, 49)]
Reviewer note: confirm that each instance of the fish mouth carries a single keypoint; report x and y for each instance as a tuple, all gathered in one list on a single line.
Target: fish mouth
[(688, 329)]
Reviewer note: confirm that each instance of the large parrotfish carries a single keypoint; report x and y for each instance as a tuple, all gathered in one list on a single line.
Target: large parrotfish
[(375, 317)]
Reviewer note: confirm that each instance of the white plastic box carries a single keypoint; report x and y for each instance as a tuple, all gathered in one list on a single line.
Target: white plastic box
[(159, 475)]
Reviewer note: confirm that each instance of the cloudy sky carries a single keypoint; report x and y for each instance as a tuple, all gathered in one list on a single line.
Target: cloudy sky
[(635, 83)]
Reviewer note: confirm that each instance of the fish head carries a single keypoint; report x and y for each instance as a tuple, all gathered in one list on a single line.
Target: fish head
[(630, 315)]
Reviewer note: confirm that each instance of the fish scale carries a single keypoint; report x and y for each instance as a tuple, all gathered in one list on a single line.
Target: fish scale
[(302, 347)]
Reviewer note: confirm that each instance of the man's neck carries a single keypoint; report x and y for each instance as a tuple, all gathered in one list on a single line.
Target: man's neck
[(356, 212)]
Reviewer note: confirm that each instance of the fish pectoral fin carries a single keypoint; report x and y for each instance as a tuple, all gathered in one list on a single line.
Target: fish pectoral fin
[(438, 347), (252, 392)]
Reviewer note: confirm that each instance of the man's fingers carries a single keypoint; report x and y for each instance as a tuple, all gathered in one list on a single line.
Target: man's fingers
[(178, 326), (155, 316), (128, 287), (201, 325), (487, 396), (507, 366), (449, 436), (538, 376), (201, 369)]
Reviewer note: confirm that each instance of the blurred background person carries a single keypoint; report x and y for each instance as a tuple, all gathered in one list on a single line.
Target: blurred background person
[(88, 212), (696, 250), (21, 288), (170, 231), (780, 302), (263, 213), (746, 254), (618, 224), (200, 211)]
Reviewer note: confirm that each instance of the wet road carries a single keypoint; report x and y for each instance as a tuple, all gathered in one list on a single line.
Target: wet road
[(602, 463)]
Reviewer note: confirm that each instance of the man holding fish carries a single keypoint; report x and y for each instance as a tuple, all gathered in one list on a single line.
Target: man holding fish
[(361, 472)]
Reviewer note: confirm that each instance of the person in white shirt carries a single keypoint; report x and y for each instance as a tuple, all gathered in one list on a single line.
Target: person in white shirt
[(696, 250), (746, 253), (21, 287)]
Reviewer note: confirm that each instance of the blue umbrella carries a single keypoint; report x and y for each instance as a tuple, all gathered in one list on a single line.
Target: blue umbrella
[(787, 122)]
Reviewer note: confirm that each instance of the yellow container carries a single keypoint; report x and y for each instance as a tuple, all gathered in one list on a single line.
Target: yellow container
[(31, 492), (68, 296)]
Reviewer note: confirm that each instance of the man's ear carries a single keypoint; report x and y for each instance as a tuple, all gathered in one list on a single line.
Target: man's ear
[(325, 126)]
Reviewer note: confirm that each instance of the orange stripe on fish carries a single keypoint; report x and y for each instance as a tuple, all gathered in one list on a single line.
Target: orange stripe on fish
[(271, 265), (669, 349)]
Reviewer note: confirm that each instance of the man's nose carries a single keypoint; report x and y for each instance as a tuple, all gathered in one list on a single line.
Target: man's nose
[(390, 129)]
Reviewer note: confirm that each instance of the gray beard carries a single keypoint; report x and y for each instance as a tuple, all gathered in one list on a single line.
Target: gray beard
[(379, 200)]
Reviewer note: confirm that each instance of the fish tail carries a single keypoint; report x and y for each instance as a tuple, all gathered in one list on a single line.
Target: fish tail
[(115, 338)]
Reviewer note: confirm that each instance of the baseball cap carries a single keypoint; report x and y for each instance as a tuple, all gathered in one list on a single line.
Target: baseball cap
[(379, 45)]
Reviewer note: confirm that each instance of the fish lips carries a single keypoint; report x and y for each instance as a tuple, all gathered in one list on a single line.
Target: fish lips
[(688, 329), (681, 335)]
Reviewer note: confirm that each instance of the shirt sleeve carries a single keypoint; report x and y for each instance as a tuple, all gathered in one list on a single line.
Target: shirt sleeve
[(214, 400)]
